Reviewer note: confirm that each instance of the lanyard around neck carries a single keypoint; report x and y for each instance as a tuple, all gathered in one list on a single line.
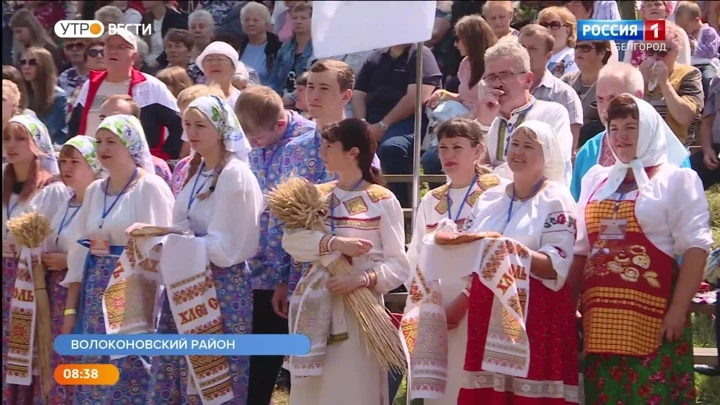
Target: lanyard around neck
[(65, 220), (106, 211), (462, 203), (332, 205), (195, 191), (512, 200)]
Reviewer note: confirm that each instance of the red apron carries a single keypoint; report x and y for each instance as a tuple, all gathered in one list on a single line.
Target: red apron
[(628, 283)]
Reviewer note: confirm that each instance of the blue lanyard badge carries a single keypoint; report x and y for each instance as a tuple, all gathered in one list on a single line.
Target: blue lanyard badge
[(462, 204), (195, 191), (65, 220), (512, 200), (106, 211), (332, 205)]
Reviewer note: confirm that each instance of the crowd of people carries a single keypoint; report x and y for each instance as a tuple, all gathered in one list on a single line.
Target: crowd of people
[(572, 202)]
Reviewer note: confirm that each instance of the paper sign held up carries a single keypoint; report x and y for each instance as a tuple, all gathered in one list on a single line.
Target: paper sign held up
[(342, 27)]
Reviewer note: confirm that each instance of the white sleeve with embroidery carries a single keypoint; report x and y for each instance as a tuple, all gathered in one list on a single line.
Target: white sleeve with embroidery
[(558, 236), (393, 269), (416, 242), (308, 246)]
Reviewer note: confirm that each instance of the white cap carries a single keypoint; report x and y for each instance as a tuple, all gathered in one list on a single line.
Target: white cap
[(128, 36), (221, 48)]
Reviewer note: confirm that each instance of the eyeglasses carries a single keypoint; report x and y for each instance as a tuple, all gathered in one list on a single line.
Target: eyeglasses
[(74, 46), (660, 54), (28, 62), (502, 76), (555, 25), (96, 53), (584, 48), (219, 59)]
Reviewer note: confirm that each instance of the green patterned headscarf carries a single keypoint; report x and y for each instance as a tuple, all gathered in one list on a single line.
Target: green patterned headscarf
[(223, 118), (131, 134), (41, 137), (86, 146)]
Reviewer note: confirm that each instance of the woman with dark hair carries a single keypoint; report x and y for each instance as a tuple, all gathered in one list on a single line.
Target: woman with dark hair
[(631, 237), (45, 97), (366, 224), (163, 16)]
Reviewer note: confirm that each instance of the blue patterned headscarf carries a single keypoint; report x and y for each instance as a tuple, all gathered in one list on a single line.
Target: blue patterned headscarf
[(41, 138), (223, 118)]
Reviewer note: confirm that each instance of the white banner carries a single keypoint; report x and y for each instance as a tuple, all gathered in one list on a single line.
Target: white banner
[(342, 27)]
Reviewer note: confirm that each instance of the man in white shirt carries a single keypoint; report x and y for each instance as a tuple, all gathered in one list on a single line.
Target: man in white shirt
[(539, 42), (505, 102)]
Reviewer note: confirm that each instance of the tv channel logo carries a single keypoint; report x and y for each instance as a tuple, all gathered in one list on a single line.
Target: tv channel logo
[(621, 30), (79, 29)]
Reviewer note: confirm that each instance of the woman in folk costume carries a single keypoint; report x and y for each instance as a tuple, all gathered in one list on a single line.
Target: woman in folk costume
[(460, 145), (29, 185), (366, 225), (131, 193), (636, 219), (537, 362), (220, 202)]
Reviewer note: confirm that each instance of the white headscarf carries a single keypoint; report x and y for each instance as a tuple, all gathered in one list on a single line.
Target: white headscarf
[(41, 137), (656, 144), (223, 118), (554, 169), (221, 48), (130, 132)]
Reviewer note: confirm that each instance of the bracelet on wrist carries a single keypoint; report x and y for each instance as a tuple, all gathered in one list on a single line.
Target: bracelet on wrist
[(70, 312), (372, 278)]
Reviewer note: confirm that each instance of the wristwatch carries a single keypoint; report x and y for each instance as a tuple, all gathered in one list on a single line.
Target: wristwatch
[(383, 125)]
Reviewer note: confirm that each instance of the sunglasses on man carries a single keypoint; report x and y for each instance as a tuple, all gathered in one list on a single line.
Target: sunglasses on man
[(75, 46), (94, 53)]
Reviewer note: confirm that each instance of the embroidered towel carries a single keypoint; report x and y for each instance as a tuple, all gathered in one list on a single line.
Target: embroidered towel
[(23, 319)]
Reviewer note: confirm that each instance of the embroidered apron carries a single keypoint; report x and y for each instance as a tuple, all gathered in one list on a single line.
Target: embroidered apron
[(627, 282)]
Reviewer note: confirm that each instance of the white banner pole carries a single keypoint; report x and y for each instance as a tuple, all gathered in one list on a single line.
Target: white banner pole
[(418, 133)]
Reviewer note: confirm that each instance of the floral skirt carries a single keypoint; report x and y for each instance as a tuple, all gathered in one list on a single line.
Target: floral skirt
[(169, 384), (665, 377), (134, 376), (32, 394)]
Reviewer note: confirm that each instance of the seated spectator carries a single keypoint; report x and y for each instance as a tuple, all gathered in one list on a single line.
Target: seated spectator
[(506, 101), (301, 96), (158, 110), (202, 28), (594, 10), (163, 17), (177, 44), (657, 10), (499, 14), (563, 27), (124, 104), (28, 32), (45, 98), (539, 43), (473, 37), (260, 47), (385, 96), (12, 74), (94, 57), (704, 41), (707, 161), (283, 21), (10, 101), (673, 88), (175, 78), (441, 40), (130, 14), (109, 15), (219, 62), (293, 57), (590, 57), (76, 74)]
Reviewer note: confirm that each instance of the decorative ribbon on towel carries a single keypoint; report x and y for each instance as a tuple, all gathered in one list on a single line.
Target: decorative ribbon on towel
[(23, 319), (316, 314)]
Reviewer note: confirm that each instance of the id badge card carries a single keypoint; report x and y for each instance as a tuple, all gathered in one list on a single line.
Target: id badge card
[(99, 244), (613, 229), (9, 249)]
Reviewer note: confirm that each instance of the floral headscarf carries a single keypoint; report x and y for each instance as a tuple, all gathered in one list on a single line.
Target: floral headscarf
[(41, 137), (86, 146), (223, 118), (130, 132), (656, 144)]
